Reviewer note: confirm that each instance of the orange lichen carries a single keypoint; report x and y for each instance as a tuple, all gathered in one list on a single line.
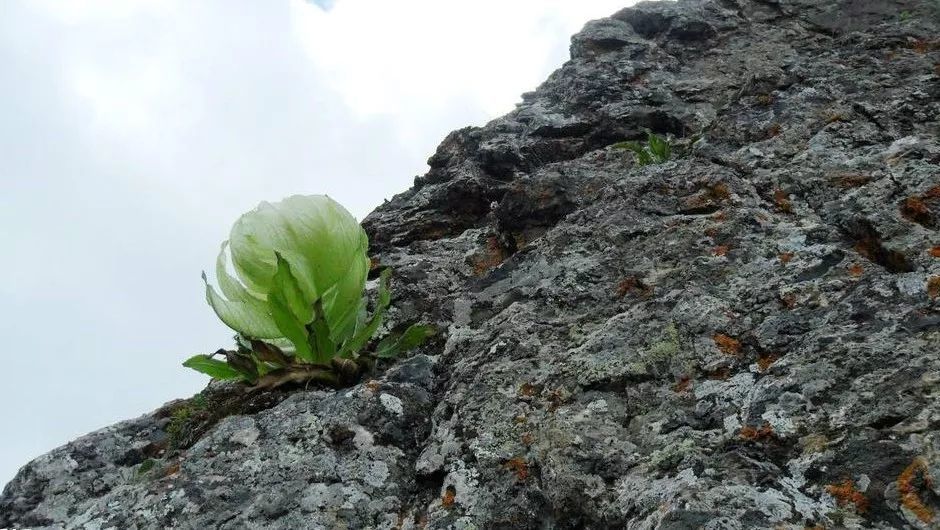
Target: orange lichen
[(682, 385), (856, 270), (774, 130), (727, 345), (932, 193), (519, 466), (720, 216), (450, 495), (786, 257), (711, 231), (788, 300), (935, 252), (756, 434), (933, 287), (721, 250), (916, 210), (490, 258), (528, 439), (372, 385), (908, 490), (782, 200), (764, 361), (845, 493)]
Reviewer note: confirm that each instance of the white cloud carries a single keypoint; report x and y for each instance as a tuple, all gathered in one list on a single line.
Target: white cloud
[(76, 12), (135, 132)]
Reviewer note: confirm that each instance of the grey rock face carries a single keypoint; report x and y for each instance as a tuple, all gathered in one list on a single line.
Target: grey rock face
[(747, 336)]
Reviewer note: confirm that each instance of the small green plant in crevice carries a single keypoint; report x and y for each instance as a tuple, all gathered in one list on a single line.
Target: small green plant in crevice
[(298, 301), (179, 425), (146, 466), (656, 150)]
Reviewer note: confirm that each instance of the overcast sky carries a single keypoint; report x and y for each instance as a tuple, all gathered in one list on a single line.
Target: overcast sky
[(134, 133)]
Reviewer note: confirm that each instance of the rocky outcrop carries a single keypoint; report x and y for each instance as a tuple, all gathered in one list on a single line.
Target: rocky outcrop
[(747, 336)]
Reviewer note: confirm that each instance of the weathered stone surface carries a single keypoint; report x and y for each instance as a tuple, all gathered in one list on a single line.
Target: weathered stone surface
[(747, 336)]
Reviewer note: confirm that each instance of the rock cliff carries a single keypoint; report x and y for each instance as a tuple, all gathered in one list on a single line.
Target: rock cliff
[(747, 336)]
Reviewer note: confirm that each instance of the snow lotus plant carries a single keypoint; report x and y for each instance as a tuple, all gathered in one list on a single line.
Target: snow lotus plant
[(297, 300), (656, 150)]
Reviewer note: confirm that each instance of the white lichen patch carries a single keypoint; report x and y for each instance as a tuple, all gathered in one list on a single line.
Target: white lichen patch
[(779, 421), (912, 284), (376, 474), (392, 404), (464, 480), (362, 438), (246, 436)]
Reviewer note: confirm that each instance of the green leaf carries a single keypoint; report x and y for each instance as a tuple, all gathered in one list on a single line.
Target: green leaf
[(395, 345), (343, 309), (281, 302), (659, 148), (213, 368), (366, 332), (640, 154), (319, 336)]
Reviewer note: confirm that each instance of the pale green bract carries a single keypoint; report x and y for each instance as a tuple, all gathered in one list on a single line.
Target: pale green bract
[(297, 298), (323, 245)]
